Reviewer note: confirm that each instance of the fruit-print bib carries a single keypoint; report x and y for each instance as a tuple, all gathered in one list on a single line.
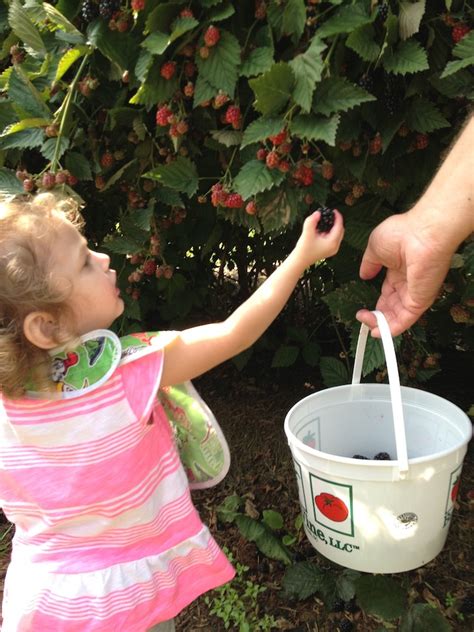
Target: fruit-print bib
[(202, 446)]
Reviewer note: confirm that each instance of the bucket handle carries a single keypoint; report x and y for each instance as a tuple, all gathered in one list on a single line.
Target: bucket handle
[(394, 384)]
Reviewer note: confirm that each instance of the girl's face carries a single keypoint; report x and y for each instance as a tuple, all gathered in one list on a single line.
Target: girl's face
[(94, 296)]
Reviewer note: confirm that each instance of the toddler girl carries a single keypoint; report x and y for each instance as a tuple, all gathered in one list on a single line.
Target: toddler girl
[(106, 536)]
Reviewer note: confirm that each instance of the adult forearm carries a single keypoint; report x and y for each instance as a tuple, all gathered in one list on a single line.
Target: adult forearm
[(448, 203)]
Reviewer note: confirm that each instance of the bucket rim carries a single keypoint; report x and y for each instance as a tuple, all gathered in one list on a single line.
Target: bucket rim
[(293, 439)]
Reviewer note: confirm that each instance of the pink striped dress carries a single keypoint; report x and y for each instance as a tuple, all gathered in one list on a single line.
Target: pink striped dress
[(106, 537)]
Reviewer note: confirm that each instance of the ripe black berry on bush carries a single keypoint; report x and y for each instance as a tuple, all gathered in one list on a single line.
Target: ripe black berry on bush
[(326, 220), (366, 81), (89, 10), (382, 456), (108, 7), (351, 606), (382, 11), (338, 605), (346, 625)]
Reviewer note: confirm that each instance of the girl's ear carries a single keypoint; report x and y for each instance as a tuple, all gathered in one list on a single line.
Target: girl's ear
[(39, 328)]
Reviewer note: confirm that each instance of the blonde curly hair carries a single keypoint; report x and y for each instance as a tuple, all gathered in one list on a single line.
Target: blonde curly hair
[(27, 230)]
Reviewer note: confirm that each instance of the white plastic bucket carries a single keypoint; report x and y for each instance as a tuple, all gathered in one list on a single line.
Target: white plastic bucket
[(370, 515)]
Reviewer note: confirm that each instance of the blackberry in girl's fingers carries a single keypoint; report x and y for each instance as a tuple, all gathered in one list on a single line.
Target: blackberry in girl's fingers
[(326, 221)]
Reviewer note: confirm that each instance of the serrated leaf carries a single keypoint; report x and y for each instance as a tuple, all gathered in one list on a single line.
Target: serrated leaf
[(23, 93), (303, 579), (155, 90), (259, 60), (313, 127), (143, 65), (24, 124), (220, 69), (156, 43), (161, 17), (27, 139), (228, 509), (262, 129), (254, 177), (278, 208), (421, 617), (350, 297), (293, 19), (227, 137), (381, 596), (362, 41), (67, 60), (285, 356), (121, 48), (455, 66), (424, 117), (454, 86), (122, 245), (307, 69), (357, 233), (264, 538), (345, 20), (22, 26), (333, 371), (57, 18), (180, 175), (408, 57), (273, 89), (221, 13), (409, 19), (9, 184), (78, 165), (337, 94), (203, 91), (54, 147)]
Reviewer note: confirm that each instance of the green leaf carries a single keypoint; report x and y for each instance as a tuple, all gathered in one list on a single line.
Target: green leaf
[(120, 48), (284, 356), (374, 356), (410, 16), (229, 508), (54, 147), (345, 584), (24, 124), (78, 165), (273, 519), (455, 66), (333, 371), (180, 175), (227, 137), (345, 20), (264, 538), (254, 177), (220, 69), (421, 617), (350, 297), (279, 207), (293, 19), (424, 117), (203, 91), (408, 57), (57, 18), (262, 129), (357, 233), (337, 94), (67, 60), (273, 89), (221, 13), (27, 139), (313, 127), (156, 43), (22, 26), (118, 174), (9, 183), (381, 596), (122, 245), (459, 84), (259, 60), (156, 89), (303, 579), (307, 69), (362, 42), (23, 93), (464, 49), (161, 17)]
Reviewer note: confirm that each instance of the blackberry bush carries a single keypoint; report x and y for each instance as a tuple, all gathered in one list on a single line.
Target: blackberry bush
[(222, 125)]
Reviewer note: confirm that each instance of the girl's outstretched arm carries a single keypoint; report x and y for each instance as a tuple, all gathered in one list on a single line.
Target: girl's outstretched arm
[(199, 349)]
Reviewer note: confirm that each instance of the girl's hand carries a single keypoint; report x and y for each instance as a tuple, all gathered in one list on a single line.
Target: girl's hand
[(313, 246)]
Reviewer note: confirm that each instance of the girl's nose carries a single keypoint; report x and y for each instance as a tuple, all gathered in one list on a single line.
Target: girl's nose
[(103, 259)]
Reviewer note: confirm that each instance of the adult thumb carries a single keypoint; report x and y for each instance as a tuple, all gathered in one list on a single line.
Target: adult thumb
[(370, 266)]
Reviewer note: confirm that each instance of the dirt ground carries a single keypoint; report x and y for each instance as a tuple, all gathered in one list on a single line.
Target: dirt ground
[(251, 411)]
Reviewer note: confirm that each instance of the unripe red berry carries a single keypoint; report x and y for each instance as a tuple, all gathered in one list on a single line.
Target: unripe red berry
[(186, 13), (190, 69), (272, 160), (261, 153), (188, 89), (138, 5), (29, 185), (163, 115), (421, 141), (149, 267), (375, 145), (72, 180), (327, 170), (284, 166), (212, 36), (233, 115), (459, 31), (168, 70), (204, 52), (107, 159), (234, 200), (251, 208), (48, 180), (279, 138)]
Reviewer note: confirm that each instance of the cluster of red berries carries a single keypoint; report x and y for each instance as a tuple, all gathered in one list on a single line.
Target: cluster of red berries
[(221, 197), (47, 181), (168, 70), (119, 22), (138, 5), (303, 174), (233, 115), (165, 117), (459, 31)]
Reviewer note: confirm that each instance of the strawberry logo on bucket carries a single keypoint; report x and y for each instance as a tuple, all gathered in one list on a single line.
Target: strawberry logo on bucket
[(455, 489), (331, 507), (452, 493)]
